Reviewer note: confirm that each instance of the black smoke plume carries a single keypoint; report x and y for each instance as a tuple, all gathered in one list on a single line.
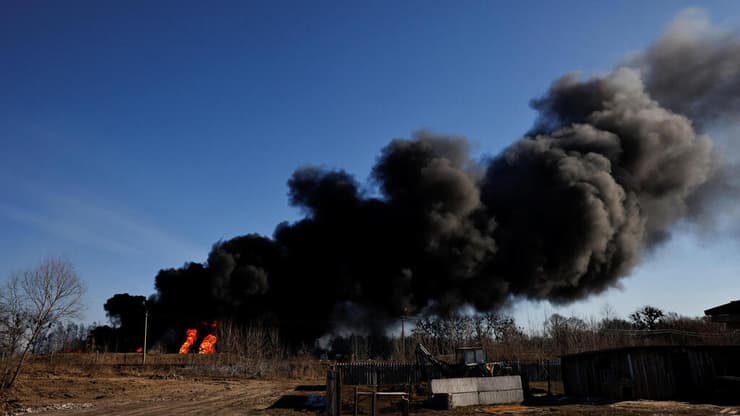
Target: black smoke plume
[(611, 164), (694, 69)]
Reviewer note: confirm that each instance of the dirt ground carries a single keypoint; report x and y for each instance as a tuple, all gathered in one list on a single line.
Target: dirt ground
[(65, 392), (150, 395)]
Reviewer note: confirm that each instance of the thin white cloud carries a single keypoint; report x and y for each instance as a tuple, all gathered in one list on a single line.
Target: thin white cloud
[(70, 231), (89, 222), (132, 231)]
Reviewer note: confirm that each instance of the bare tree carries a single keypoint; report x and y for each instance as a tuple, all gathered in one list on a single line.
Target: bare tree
[(647, 317), (12, 319), (30, 303), (567, 334), (500, 327)]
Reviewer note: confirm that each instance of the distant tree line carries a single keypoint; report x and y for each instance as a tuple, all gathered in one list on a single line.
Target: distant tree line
[(505, 340), (497, 332)]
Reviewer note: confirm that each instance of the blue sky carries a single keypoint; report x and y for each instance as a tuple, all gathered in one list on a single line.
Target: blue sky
[(133, 136)]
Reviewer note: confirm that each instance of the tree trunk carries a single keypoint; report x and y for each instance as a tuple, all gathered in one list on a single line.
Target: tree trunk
[(8, 384)]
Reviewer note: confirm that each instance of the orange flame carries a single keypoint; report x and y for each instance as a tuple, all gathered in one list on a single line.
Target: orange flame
[(191, 335), (207, 346)]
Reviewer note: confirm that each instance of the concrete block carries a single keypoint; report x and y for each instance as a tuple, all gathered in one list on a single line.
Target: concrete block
[(501, 397), (454, 385), (464, 399), (499, 383), (471, 391)]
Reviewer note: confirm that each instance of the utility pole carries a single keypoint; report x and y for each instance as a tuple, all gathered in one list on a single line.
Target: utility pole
[(146, 324), (403, 333), (403, 337)]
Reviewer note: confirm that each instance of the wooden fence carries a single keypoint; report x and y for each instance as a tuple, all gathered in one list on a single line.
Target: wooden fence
[(698, 372), (542, 370), (388, 373), (375, 373)]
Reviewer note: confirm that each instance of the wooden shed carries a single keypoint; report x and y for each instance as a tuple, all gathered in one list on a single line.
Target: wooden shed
[(728, 314), (654, 372)]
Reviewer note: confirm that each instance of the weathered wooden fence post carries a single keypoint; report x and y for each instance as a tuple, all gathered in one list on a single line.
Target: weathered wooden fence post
[(356, 403), (338, 394), (331, 402), (372, 405)]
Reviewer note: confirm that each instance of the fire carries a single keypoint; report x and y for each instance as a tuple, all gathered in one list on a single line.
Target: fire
[(207, 346), (140, 349), (191, 336)]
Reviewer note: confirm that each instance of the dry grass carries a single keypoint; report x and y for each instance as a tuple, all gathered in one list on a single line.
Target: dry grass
[(78, 383), (211, 365)]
